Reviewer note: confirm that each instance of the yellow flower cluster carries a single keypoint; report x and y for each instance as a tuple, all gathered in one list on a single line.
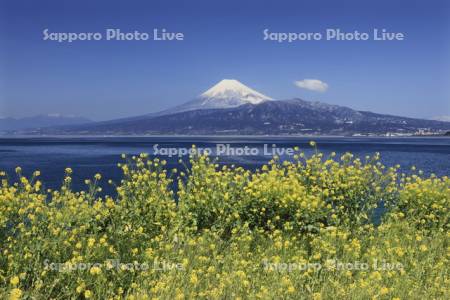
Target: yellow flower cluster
[(302, 229)]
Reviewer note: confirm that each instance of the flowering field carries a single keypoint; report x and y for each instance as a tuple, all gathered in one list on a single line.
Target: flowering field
[(304, 229)]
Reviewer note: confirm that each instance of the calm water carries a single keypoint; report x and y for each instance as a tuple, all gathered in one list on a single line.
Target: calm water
[(87, 156)]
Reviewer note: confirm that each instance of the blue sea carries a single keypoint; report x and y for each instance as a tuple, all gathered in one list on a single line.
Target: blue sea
[(90, 155)]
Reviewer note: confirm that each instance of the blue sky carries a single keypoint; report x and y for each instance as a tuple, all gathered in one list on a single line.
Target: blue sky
[(223, 39)]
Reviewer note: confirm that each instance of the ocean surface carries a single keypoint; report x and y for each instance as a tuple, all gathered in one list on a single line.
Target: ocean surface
[(88, 156)]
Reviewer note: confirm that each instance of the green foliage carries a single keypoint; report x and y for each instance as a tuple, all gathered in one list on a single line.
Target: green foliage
[(229, 233)]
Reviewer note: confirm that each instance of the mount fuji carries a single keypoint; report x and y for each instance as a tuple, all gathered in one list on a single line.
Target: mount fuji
[(228, 93), (230, 107)]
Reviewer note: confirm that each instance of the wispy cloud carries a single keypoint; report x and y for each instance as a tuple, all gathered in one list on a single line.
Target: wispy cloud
[(312, 85)]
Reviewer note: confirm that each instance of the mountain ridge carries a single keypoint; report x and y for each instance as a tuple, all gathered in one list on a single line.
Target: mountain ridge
[(40, 121), (230, 107), (291, 116)]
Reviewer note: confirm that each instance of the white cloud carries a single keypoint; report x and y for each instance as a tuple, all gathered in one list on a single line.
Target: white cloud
[(312, 85)]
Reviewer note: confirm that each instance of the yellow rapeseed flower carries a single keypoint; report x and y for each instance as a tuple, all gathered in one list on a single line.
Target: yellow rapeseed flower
[(15, 294), (14, 280), (317, 296), (91, 242), (194, 278), (95, 270), (384, 291)]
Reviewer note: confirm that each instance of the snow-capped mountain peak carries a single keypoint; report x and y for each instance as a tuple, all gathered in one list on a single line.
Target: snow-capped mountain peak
[(227, 93), (231, 88)]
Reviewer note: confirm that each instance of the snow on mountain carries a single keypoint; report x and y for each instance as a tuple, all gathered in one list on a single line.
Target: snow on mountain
[(227, 93), (232, 90), (292, 116), (442, 118)]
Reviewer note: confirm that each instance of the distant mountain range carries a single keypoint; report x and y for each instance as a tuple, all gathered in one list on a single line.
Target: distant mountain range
[(40, 122), (294, 116), (442, 118), (230, 107)]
